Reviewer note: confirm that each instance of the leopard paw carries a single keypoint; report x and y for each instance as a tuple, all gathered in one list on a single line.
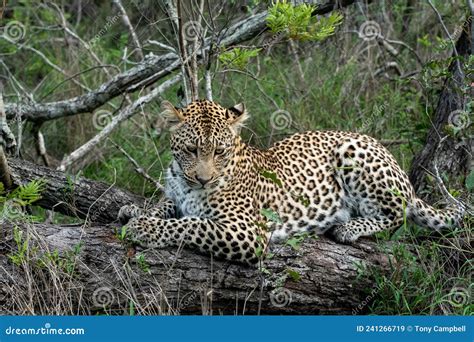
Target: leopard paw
[(145, 231), (344, 235), (128, 212)]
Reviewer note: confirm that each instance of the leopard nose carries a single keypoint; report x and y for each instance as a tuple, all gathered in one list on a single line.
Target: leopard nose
[(203, 181)]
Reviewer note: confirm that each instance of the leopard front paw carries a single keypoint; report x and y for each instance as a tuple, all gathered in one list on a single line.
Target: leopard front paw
[(128, 212), (145, 231), (344, 235)]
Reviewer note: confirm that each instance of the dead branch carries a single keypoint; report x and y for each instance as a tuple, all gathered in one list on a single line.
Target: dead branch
[(151, 68)]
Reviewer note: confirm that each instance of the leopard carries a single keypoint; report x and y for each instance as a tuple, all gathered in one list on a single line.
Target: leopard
[(226, 198)]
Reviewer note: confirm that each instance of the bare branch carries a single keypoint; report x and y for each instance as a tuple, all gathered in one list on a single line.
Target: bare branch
[(6, 138), (125, 114), (126, 82)]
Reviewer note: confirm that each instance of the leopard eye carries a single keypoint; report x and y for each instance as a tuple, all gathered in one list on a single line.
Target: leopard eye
[(191, 149), (219, 151)]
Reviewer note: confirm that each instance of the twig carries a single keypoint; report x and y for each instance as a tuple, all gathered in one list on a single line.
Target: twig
[(140, 170), (40, 145), (7, 140), (127, 22), (194, 64), (45, 59), (188, 75), (161, 45), (455, 51), (237, 33), (79, 39), (174, 19)]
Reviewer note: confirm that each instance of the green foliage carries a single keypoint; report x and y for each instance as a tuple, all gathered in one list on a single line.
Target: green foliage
[(272, 176), (470, 181), (12, 203), (271, 215), (20, 255), (293, 274), (296, 240), (237, 58), (122, 234), (24, 194), (131, 308), (297, 22), (142, 263), (65, 262), (421, 280)]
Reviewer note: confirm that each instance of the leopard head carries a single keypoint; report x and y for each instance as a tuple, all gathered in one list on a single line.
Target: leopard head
[(204, 139)]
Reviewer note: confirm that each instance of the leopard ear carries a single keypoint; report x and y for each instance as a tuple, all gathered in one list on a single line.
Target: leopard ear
[(237, 116), (171, 114)]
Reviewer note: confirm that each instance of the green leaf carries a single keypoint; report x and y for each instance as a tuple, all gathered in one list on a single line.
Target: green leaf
[(294, 243), (298, 22), (470, 181), (131, 308), (272, 176), (303, 199), (293, 274), (271, 215), (238, 57)]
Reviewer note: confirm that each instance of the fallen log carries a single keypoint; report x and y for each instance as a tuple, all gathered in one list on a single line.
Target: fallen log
[(94, 272), (73, 196)]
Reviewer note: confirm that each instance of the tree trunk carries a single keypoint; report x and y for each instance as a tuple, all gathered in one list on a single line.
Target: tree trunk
[(77, 197), (453, 155), (108, 275)]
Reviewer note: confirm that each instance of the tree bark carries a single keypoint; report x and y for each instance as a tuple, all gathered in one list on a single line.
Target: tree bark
[(72, 196), (108, 276), (453, 155)]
